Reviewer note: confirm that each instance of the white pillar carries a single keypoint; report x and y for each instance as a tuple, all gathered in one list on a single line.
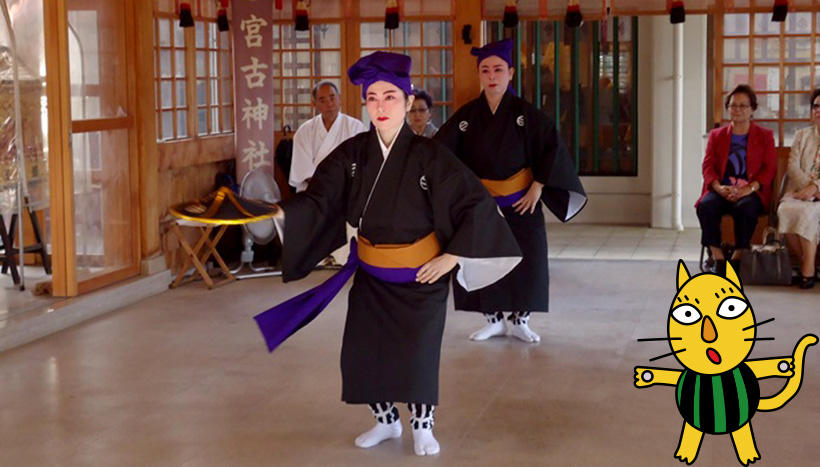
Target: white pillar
[(677, 123)]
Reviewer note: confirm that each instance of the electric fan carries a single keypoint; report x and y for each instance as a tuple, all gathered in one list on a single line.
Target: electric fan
[(257, 185)]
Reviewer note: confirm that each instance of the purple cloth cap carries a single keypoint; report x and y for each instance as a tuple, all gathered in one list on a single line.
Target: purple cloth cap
[(501, 49), (382, 66)]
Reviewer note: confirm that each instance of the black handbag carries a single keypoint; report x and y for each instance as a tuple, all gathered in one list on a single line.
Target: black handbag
[(766, 264)]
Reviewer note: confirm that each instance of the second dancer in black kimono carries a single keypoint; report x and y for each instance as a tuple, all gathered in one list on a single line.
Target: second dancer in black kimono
[(518, 154), (419, 213)]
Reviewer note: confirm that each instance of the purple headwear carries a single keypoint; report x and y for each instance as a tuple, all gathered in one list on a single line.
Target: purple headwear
[(501, 49), (382, 66)]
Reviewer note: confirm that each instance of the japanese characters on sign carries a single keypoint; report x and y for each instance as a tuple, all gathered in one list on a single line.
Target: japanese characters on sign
[(254, 85)]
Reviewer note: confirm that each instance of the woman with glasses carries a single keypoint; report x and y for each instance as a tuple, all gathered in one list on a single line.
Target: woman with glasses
[(738, 169), (420, 114), (799, 211)]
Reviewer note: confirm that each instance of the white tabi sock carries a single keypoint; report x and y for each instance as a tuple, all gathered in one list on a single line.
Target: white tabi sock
[(377, 434), (424, 443), (520, 329), (388, 426), (494, 327)]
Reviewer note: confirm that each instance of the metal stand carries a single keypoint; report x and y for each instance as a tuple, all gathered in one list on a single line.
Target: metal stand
[(246, 259)]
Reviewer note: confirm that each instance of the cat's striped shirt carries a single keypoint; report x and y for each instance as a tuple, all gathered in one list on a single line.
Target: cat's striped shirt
[(718, 404)]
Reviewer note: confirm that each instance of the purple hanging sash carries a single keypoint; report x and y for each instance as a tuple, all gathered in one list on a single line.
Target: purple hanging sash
[(509, 200), (507, 192), (283, 320)]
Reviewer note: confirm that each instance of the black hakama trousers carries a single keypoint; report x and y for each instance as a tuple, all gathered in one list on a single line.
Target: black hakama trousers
[(526, 288), (392, 341)]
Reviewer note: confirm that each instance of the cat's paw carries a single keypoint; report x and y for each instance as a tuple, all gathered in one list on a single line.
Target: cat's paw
[(685, 458), (644, 377), (749, 457), (785, 367)]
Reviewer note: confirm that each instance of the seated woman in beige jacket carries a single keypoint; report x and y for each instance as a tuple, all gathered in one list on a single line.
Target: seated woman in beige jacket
[(799, 211)]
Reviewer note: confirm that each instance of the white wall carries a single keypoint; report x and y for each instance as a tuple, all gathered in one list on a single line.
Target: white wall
[(646, 199)]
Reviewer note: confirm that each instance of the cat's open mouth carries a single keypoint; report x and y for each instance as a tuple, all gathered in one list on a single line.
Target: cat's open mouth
[(713, 355)]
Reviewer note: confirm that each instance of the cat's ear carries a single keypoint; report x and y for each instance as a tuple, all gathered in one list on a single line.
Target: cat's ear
[(683, 274), (732, 276)]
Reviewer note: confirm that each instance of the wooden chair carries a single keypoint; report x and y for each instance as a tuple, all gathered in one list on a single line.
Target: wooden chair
[(10, 252)]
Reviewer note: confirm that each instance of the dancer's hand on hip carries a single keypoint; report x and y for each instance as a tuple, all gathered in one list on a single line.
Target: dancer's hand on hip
[(436, 267), (530, 200)]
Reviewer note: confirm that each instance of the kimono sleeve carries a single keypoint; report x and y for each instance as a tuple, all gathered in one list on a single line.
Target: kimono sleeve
[(314, 223), (468, 222), (552, 166)]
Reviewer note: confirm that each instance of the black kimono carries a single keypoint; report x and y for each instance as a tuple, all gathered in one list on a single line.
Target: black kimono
[(496, 146), (392, 337)]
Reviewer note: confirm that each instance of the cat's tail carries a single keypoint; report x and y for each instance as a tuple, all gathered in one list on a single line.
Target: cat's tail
[(793, 385)]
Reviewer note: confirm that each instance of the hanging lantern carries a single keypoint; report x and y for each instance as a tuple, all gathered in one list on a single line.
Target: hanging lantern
[(677, 13), (278, 4), (510, 14), (186, 18), (781, 9), (574, 18), (391, 15), (301, 16), (222, 16)]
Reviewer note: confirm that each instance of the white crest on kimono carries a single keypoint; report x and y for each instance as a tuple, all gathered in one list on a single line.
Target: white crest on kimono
[(520, 120), (462, 125), (423, 182)]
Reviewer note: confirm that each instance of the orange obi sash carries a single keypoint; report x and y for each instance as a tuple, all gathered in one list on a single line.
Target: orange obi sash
[(507, 192), (413, 255)]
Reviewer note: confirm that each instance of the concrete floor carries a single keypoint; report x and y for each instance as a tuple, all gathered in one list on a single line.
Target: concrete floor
[(183, 379)]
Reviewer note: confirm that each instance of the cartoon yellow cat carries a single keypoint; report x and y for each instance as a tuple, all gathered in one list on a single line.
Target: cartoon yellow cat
[(711, 331)]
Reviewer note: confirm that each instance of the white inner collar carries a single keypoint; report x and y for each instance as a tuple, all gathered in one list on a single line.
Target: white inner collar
[(386, 149)]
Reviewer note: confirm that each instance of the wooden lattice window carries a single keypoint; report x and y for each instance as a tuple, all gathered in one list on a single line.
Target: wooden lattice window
[(193, 73), (430, 45), (300, 60), (214, 79), (170, 77), (781, 61)]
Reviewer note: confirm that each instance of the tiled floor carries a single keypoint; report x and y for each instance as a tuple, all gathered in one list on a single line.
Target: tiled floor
[(577, 241), (183, 379)]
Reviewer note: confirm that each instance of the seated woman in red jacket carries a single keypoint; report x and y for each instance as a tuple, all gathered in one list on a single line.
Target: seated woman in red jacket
[(738, 169)]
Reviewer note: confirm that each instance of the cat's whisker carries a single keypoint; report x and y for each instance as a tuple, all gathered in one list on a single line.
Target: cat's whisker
[(666, 355), (759, 324), (759, 339), (650, 339)]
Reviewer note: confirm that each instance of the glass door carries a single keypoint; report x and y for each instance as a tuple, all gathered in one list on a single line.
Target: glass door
[(105, 203)]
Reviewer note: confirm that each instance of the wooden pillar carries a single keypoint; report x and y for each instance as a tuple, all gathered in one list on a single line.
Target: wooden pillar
[(61, 175), (351, 50), (148, 153), (465, 85)]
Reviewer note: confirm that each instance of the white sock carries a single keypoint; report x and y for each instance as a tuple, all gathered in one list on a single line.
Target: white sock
[(494, 327), (522, 331), (377, 434), (424, 443)]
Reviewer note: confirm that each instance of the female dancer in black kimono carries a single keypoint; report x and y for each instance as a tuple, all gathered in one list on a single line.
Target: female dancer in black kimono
[(516, 151), (419, 213)]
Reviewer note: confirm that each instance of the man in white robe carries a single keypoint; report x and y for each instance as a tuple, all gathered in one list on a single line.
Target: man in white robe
[(318, 137)]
